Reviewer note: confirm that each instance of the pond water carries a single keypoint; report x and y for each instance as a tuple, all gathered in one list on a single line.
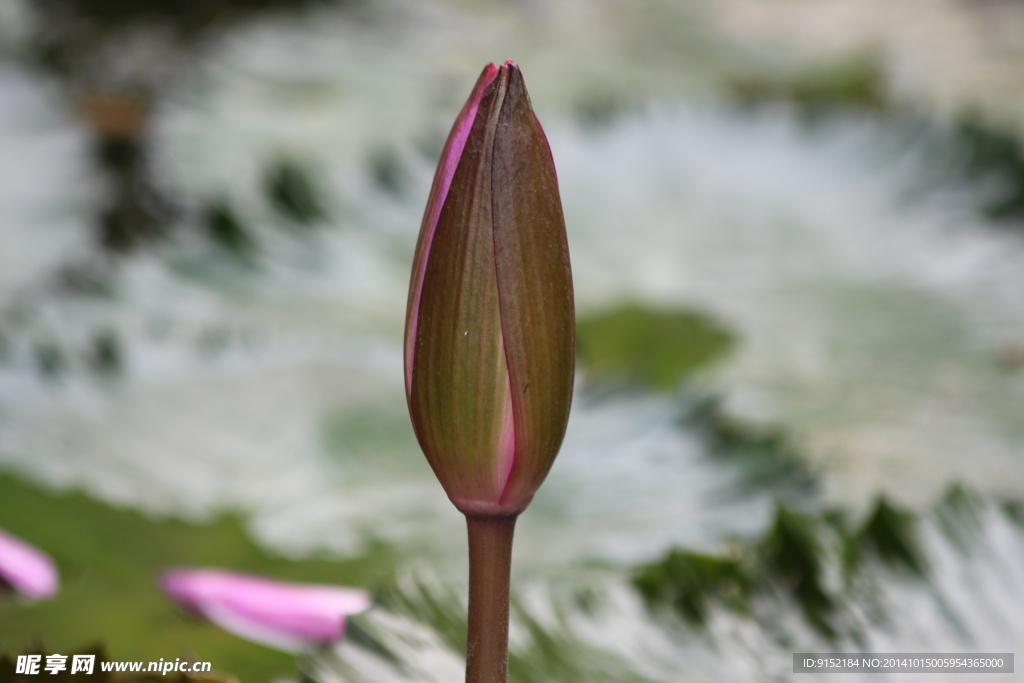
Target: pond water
[(873, 309)]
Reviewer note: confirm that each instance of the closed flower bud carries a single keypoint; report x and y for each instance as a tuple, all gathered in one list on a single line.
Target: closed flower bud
[(490, 326)]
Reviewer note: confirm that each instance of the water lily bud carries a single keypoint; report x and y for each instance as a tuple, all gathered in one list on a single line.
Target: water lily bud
[(490, 326), (27, 569), (287, 616)]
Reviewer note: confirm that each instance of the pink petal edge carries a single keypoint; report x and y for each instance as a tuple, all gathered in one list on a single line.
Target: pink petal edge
[(289, 616), (506, 455), (27, 569), (450, 157)]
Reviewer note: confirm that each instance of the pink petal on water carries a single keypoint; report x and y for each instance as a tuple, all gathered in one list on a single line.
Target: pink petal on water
[(27, 569), (288, 616)]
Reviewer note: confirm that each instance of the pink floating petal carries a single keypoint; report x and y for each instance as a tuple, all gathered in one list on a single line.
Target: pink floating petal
[(288, 616), (27, 569)]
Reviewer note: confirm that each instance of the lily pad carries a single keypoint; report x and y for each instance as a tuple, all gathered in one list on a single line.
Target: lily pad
[(634, 345), (109, 560)]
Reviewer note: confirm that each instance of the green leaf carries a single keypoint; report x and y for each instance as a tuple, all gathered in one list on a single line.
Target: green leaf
[(109, 560), (655, 348)]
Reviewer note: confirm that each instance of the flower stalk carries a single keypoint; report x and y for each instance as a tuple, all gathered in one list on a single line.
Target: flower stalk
[(490, 571)]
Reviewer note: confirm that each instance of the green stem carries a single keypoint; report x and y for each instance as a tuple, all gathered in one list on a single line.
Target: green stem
[(490, 569)]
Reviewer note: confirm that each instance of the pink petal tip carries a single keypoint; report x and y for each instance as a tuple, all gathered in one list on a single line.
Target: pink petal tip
[(287, 616), (27, 569)]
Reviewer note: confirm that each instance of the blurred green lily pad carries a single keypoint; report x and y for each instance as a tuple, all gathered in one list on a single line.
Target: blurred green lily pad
[(658, 349), (109, 560)]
